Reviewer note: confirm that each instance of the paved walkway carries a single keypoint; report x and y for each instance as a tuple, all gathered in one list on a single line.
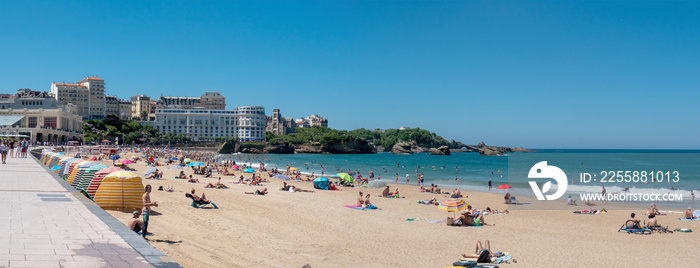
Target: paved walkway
[(46, 223)]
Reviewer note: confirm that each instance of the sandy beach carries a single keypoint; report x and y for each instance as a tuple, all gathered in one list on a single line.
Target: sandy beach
[(285, 229)]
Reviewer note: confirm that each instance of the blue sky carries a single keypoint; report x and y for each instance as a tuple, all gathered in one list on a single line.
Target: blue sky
[(535, 74)]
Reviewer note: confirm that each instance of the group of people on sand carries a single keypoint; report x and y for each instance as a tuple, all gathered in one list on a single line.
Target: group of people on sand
[(365, 203), (387, 193), (470, 217)]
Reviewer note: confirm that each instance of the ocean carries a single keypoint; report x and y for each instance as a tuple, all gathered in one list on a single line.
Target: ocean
[(680, 169)]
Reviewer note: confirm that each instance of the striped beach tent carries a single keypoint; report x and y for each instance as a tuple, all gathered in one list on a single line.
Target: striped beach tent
[(76, 169), (60, 163), (97, 179), (87, 176), (64, 165), (43, 156), (51, 159), (120, 190), (54, 159), (82, 170), (46, 157), (70, 167)]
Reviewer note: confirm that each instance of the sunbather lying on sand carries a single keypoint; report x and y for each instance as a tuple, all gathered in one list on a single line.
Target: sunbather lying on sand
[(192, 180), (258, 192), (496, 211), (292, 188), (429, 202), (182, 175), (479, 248), (217, 184)]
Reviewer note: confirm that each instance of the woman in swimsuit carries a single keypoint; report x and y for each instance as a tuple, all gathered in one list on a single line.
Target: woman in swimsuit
[(359, 200)]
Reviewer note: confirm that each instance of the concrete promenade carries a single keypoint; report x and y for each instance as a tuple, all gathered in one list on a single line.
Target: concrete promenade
[(46, 223)]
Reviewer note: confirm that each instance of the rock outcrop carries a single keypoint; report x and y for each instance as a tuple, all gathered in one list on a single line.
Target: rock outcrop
[(442, 150), (352, 147), (227, 148), (401, 148), (251, 148), (307, 149)]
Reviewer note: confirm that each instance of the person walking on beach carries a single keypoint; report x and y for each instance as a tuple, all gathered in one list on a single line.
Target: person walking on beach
[(397, 178), (692, 197), (407, 177), (147, 204), (3, 151), (490, 184)]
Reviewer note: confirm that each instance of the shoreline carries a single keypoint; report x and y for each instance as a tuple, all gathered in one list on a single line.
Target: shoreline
[(293, 229)]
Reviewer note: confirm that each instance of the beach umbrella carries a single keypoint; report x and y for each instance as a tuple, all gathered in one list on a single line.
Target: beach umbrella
[(187, 160), (345, 177), (321, 183), (249, 170), (293, 168), (149, 171), (504, 187), (198, 164), (114, 157), (126, 161), (93, 158), (235, 166), (176, 167), (452, 205), (173, 158), (56, 167), (282, 177), (377, 184)]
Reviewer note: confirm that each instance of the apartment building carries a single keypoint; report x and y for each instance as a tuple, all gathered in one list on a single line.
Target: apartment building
[(88, 95)]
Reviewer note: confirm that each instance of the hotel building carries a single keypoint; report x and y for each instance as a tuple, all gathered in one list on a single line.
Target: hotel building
[(88, 95), (245, 123)]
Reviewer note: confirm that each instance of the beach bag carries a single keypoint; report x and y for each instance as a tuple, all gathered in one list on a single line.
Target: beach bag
[(450, 221), (484, 256)]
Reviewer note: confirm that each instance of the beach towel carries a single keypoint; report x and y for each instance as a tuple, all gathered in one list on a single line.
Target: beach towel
[(687, 219), (360, 207), (176, 178), (412, 219), (685, 230), (438, 221)]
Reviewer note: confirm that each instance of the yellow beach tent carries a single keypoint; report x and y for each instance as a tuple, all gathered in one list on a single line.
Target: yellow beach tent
[(120, 190)]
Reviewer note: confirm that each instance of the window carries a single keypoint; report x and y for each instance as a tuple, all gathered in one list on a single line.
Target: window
[(50, 122), (32, 122)]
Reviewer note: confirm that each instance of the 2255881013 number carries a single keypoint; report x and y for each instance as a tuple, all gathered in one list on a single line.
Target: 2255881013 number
[(640, 176)]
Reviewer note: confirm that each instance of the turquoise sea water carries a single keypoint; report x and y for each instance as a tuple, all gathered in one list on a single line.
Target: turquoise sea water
[(474, 171)]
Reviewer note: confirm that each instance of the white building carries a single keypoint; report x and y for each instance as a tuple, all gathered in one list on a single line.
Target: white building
[(246, 123), (40, 119)]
